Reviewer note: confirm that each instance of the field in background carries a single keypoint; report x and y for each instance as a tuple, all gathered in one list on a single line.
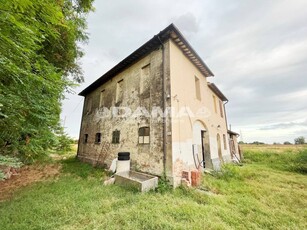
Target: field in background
[(275, 148), (268, 192)]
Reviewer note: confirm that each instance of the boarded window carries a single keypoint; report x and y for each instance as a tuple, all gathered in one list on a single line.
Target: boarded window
[(197, 88), (214, 103), (221, 108), (119, 91), (144, 135), (224, 140), (145, 79), (85, 138), (98, 138), (115, 137), (101, 99)]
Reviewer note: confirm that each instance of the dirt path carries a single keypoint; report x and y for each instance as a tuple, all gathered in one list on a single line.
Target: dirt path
[(26, 176)]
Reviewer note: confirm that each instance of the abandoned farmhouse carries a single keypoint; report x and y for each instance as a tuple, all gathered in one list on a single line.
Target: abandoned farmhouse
[(158, 105)]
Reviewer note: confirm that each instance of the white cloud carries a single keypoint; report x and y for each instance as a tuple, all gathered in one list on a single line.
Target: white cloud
[(256, 49)]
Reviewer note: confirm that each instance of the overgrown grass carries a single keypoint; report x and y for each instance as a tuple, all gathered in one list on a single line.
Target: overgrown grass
[(290, 159), (84, 170), (254, 196)]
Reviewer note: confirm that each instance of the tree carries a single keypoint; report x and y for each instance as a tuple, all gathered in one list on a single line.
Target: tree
[(64, 141), (287, 143), (299, 140), (39, 55)]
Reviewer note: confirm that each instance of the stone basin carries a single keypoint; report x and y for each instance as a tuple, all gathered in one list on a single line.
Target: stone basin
[(141, 181)]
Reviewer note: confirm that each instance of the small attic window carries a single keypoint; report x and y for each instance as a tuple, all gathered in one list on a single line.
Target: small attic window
[(101, 98), (214, 103), (119, 91), (221, 108), (197, 88), (88, 105)]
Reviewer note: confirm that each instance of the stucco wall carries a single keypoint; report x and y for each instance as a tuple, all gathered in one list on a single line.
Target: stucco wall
[(190, 113), (184, 100)]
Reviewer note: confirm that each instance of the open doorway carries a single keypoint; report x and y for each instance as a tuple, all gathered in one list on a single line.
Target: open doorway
[(201, 140)]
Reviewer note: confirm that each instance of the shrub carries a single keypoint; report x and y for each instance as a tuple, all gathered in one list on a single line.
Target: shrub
[(6, 161), (163, 185)]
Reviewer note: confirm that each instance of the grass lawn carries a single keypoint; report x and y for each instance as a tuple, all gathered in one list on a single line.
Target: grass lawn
[(268, 192)]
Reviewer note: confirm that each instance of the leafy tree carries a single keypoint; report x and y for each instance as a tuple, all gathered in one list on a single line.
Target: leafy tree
[(64, 141), (287, 143), (299, 141), (258, 143), (39, 55)]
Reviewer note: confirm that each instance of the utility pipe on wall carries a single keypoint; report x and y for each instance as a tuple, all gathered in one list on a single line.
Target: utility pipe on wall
[(163, 104)]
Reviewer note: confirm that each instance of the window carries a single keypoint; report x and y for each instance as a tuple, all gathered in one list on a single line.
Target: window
[(224, 140), (98, 138), (144, 81), (85, 138), (115, 137), (214, 103), (119, 91), (88, 105), (197, 88), (101, 100), (144, 135), (221, 108)]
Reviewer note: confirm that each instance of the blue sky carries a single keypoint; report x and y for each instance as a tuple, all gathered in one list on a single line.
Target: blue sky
[(256, 49)]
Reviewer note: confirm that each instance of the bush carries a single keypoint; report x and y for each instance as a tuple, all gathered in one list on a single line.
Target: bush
[(163, 185), (63, 142), (6, 161), (10, 161)]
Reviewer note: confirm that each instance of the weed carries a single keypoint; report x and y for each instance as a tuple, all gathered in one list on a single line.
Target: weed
[(164, 185)]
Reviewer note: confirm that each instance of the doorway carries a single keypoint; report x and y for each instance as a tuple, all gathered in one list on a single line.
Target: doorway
[(203, 147), (201, 142)]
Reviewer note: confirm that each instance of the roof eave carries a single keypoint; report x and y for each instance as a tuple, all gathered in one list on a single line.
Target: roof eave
[(146, 48), (217, 91)]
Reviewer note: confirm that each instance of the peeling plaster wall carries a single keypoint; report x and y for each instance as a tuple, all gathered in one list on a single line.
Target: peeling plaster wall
[(184, 100), (144, 157), (180, 95)]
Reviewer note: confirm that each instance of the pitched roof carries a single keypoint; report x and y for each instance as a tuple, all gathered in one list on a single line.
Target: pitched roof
[(169, 32), (218, 92), (233, 133)]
